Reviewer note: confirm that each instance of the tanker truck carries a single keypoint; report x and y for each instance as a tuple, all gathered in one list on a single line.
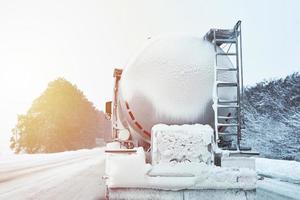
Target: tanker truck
[(177, 123)]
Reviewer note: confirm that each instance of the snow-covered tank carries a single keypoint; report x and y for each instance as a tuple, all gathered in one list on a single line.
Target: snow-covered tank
[(171, 81), (167, 99)]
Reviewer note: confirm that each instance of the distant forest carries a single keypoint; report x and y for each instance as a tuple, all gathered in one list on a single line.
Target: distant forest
[(272, 117)]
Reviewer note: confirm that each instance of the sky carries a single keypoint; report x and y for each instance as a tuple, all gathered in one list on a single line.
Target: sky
[(84, 40)]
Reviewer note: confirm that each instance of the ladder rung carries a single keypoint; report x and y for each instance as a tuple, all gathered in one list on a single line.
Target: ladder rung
[(226, 69), (227, 106), (227, 125), (227, 84), (244, 153), (226, 54), (225, 117), (226, 133), (225, 40), (226, 101), (226, 143), (220, 33)]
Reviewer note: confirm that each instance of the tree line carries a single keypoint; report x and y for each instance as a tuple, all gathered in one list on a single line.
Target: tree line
[(61, 119)]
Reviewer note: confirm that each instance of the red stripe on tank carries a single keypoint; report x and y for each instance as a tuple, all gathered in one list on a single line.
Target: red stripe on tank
[(131, 115), (138, 125), (127, 105), (147, 133)]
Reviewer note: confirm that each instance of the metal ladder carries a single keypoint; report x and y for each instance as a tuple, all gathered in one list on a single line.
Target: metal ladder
[(225, 39)]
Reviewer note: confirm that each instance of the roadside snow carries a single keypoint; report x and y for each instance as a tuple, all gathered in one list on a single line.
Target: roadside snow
[(273, 189), (288, 171)]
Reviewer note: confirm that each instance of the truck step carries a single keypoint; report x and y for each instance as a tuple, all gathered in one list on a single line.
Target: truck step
[(227, 84), (227, 106), (226, 101), (225, 117), (226, 54), (226, 69)]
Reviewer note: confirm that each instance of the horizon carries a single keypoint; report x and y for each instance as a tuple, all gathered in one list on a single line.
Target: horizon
[(83, 41)]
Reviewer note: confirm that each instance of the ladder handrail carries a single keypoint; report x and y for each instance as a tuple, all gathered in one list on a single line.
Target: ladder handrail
[(238, 90), (241, 66), (237, 25), (215, 90)]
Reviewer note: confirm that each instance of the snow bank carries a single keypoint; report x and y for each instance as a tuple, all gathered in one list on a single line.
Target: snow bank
[(185, 143), (277, 190), (284, 170)]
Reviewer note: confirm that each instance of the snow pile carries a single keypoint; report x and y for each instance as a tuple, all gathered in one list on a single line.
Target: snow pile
[(202, 176), (126, 169), (185, 143), (129, 170), (181, 158), (288, 171), (129, 174)]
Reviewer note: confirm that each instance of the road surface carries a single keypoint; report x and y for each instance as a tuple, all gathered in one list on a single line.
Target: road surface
[(64, 176)]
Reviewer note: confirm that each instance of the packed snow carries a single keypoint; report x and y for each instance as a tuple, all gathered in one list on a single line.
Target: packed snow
[(175, 176), (185, 143)]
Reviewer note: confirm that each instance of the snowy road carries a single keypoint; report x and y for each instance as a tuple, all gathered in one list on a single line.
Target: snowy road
[(69, 175), (76, 175)]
